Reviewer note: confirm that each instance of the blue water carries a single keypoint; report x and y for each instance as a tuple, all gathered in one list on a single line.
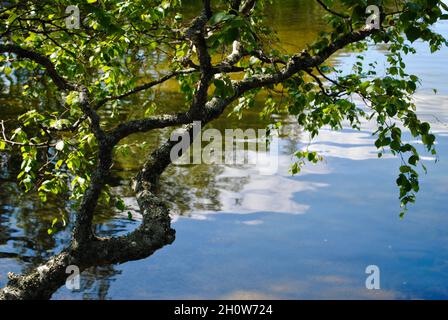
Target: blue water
[(351, 223)]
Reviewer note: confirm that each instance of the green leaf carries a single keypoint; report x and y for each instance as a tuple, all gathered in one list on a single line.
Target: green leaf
[(220, 17), (7, 70), (405, 169), (413, 33), (413, 160), (428, 139), (120, 205)]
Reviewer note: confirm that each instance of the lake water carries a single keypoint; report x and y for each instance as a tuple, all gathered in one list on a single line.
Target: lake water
[(244, 235)]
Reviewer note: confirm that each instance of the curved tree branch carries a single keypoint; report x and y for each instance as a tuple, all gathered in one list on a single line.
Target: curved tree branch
[(45, 62)]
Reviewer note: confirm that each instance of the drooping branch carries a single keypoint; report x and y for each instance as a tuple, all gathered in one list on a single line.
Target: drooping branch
[(42, 60), (144, 86)]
